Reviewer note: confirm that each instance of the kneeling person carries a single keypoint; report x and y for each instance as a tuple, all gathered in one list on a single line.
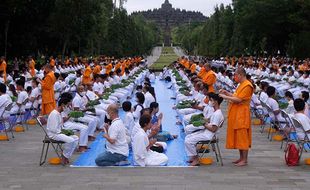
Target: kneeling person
[(117, 146)]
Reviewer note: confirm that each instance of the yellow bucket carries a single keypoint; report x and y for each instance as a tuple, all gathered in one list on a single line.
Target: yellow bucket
[(3, 138), (206, 161), (31, 122), (256, 122), (277, 138), (19, 128), (54, 161)]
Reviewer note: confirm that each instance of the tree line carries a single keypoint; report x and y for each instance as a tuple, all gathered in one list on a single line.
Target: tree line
[(72, 27), (251, 27)]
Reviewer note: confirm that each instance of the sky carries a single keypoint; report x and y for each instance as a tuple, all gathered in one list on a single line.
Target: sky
[(204, 6)]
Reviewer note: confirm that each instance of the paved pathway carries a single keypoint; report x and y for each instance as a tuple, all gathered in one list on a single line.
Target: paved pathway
[(19, 169)]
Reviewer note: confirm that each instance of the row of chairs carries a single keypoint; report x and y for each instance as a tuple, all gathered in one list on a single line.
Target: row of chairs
[(286, 128)]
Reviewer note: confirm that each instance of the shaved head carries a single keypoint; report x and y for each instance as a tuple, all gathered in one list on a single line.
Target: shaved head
[(113, 109), (241, 71)]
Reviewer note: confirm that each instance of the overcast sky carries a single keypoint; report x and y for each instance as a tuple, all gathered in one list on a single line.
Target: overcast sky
[(204, 6)]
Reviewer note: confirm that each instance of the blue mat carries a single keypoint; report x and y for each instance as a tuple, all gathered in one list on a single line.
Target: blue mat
[(175, 149)]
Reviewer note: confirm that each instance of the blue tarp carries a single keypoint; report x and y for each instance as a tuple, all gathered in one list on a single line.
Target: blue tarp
[(175, 150)]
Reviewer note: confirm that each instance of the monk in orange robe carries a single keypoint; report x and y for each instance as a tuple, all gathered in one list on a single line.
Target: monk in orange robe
[(3, 68), (239, 133), (97, 68), (87, 75), (32, 67), (48, 97), (52, 61), (209, 78), (108, 68), (193, 68), (202, 71)]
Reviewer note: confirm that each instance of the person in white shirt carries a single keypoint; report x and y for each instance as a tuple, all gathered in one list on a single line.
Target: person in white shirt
[(141, 145), (116, 143), (263, 95), (5, 100), (98, 87), (299, 105), (129, 121), (205, 134), (139, 106), (290, 99), (21, 98), (274, 105), (305, 97), (79, 103), (54, 127), (149, 98)]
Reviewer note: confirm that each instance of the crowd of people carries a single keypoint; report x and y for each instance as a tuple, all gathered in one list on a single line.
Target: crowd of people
[(102, 87)]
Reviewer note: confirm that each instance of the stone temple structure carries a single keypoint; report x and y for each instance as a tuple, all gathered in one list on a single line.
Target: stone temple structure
[(168, 17)]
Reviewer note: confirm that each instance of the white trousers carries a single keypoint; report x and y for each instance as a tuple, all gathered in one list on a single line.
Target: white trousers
[(70, 145), (188, 129), (83, 129), (155, 159), (192, 139), (92, 123), (186, 111)]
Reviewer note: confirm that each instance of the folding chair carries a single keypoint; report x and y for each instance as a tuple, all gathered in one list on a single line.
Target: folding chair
[(301, 142), (214, 143), (57, 145), (290, 125), (5, 121), (20, 115)]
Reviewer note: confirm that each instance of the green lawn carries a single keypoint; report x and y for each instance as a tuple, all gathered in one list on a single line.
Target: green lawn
[(166, 58)]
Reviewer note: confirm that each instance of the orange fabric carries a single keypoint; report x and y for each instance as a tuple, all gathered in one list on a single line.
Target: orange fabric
[(210, 80), (108, 68), (117, 66), (48, 97), (86, 76), (32, 68), (52, 62), (97, 70), (202, 73), (239, 132), (193, 68), (3, 68), (186, 64)]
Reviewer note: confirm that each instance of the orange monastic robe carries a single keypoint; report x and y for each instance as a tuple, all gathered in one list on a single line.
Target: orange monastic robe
[(32, 68), (86, 75), (48, 97), (239, 133), (193, 68), (202, 73), (108, 68), (52, 62), (210, 80), (3, 68), (97, 70)]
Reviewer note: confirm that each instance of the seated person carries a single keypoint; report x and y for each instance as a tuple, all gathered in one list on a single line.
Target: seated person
[(139, 106), (115, 134), (19, 106), (54, 127), (290, 99), (143, 155), (79, 104), (161, 136), (274, 105), (299, 106), (205, 134), (305, 97), (129, 121)]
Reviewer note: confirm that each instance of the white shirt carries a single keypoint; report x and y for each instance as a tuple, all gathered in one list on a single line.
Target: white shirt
[(34, 94), (137, 112), (305, 122), (98, 87), (129, 122), (208, 111), (148, 99), (91, 95), (54, 124), (5, 100), (263, 97), (79, 102), (139, 146), (216, 119), (274, 106), (117, 132)]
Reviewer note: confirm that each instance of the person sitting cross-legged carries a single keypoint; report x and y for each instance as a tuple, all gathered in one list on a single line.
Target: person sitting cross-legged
[(117, 146), (143, 155), (205, 134)]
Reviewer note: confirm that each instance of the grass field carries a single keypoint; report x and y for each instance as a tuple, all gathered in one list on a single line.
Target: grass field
[(167, 57)]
